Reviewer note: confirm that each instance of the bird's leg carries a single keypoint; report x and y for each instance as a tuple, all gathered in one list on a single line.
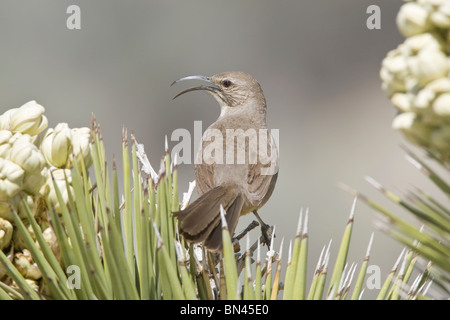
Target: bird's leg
[(236, 239), (250, 227), (265, 229)]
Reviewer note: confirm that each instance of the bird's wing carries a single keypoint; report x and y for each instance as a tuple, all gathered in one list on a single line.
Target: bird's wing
[(204, 176), (262, 176), (205, 165)]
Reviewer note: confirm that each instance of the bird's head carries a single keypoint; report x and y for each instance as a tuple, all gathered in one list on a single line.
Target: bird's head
[(233, 90)]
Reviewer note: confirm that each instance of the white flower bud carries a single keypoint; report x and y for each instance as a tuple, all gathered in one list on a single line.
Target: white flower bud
[(441, 105), (413, 19), (59, 177), (429, 3), (5, 119), (416, 62), (426, 41), (402, 101), (34, 284), (394, 72), (404, 120), (5, 147), (6, 232), (413, 129), (43, 192), (427, 95), (432, 102), (25, 154), (423, 99), (11, 179), (81, 145), (33, 183), (11, 182), (441, 17), (440, 85), (428, 65), (29, 119), (50, 238), (55, 145), (25, 264)]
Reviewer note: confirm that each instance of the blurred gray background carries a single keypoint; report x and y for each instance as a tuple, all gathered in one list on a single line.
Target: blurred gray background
[(316, 60)]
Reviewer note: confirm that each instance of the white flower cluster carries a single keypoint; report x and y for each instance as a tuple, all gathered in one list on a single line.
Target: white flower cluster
[(416, 76), (27, 165)]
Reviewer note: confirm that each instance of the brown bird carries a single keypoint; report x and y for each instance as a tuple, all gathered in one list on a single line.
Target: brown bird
[(237, 164)]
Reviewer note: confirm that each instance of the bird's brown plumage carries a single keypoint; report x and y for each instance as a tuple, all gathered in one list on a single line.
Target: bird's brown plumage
[(240, 187)]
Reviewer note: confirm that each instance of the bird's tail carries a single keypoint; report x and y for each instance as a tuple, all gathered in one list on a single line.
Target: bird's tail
[(200, 221)]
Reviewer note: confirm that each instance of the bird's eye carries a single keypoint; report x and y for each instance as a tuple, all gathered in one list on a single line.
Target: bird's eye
[(226, 83)]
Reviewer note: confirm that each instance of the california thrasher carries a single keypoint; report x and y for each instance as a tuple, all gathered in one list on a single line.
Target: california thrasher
[(237, 164)]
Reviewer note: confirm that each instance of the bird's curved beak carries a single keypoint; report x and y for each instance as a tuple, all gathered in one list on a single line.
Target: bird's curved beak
[(216, 91)]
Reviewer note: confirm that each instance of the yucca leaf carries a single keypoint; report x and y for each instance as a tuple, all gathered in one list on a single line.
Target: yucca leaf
[(9, 293), (268, 270), (171, 290), (248, 293), (74, 234), (429, 216), (47, 252), (140, 227), (115, 191), (276, 281), (362, 273), (90, 239), (127, 212), (48, 274), (291, 271), (25, 289), (317, 273), (115, 255), (186, 280), (421, 166), (382, 294), (229, 260), (299, 291), (321, 279), (258, 274), (343, 250)]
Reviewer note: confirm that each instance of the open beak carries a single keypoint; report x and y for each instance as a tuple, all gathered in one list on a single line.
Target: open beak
[(216, 91)]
